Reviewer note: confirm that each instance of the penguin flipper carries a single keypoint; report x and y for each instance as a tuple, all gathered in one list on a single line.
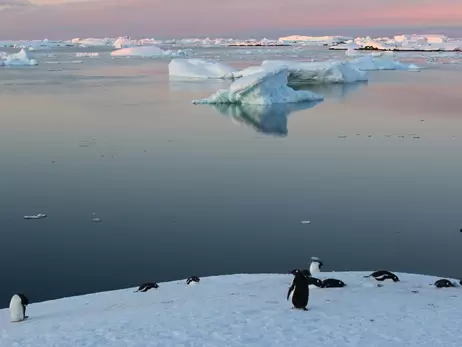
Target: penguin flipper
[(292, 287)]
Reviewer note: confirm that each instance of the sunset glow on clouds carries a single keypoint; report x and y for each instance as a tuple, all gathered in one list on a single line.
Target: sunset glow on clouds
[(65, 18)]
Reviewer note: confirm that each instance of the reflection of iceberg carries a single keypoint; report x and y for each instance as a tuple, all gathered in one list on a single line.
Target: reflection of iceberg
[(267, 119)]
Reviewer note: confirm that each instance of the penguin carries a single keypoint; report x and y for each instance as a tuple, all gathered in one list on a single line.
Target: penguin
[(332, 283), (316, 265), (307, 273), (192, 280), (146, 286), (383, 275), (313, 281), (300, 291), (18, 305), (443, 283)]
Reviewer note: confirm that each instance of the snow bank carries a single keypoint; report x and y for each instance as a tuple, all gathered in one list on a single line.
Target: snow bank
[(146, 52), (248, 310), (22, 58), (262, 88), (310, 72), (369, 62), (199, 68)]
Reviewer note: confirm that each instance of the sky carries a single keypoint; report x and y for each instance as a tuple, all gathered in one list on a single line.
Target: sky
[(63, 19)]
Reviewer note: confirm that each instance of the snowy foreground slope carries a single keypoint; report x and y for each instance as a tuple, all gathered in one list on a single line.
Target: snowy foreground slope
[(248, 310)]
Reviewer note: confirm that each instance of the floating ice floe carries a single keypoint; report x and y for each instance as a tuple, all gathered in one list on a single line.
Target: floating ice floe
[(317, 40), (37, 216), (301, 73), (146, 52), (87, 54), (371, 62), (199, 69), (263, 88), (21, 58)]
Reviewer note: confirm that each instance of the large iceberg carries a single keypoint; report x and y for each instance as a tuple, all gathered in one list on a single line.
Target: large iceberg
[(302, 73), (262, 88), (199, 68), (146, 52), (22, 58)]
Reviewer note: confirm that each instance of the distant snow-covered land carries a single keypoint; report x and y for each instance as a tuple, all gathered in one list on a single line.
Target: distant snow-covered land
[(248, 310), (408, 42)]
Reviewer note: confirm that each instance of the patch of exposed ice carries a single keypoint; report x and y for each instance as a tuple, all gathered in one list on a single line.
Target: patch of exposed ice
[(370, 62), (199, 68), (262, 88)]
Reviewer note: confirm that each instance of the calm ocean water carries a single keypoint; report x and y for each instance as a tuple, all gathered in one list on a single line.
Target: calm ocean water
[(185, 189)]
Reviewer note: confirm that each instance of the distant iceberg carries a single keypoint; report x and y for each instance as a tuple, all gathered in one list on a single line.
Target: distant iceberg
[(302, 73), (21, 58), (199, 69), (370, 62), (262, 88), (146, 52)]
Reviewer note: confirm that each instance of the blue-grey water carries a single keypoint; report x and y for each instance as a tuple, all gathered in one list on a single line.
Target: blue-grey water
[(185, 189)]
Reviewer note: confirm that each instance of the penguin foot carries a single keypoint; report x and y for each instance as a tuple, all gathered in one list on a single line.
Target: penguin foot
[(305, 309)]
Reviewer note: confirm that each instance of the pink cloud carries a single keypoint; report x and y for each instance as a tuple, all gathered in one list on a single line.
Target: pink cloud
[(215, 17)]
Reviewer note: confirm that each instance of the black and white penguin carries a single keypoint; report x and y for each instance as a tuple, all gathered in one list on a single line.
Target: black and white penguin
[(146, 286), (316, 265), (305, 272), (192, 280), (300, 291), (383, 275), (18, 305), (313, 281), (443, 283), (332, 283)]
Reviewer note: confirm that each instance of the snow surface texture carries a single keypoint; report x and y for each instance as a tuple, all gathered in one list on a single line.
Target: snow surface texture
[(248, 310), (146, 52), (22, 58), (199, 69), (262, 88)]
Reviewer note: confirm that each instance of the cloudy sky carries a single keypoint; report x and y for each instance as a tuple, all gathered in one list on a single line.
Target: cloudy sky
[(24, 19)]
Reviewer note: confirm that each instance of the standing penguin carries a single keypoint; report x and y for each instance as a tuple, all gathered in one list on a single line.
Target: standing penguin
[(301, 291), (18, 305), (316, 265)]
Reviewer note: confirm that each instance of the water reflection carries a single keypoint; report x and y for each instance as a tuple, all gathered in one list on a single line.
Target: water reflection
[(180, 84), (267, 119)]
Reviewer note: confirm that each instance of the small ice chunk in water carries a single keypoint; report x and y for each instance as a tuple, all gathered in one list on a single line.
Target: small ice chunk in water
[(37, 216), (96, 220), (306, 222)]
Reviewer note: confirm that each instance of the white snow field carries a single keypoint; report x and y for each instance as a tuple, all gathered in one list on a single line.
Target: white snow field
[(199, 69), (248, 310), (262, 88), (146, 52), (22, 58)]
